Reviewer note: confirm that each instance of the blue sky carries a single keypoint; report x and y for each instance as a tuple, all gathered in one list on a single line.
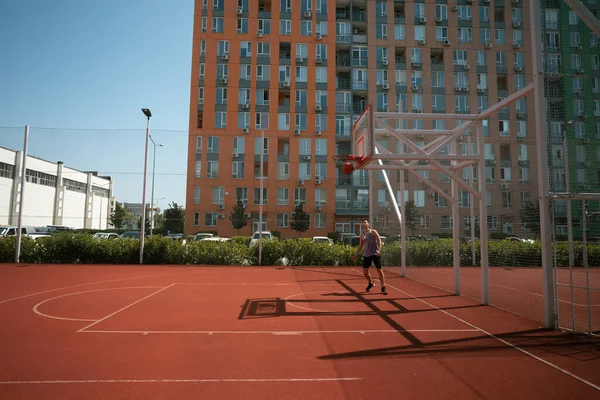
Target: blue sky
[(78, 73)]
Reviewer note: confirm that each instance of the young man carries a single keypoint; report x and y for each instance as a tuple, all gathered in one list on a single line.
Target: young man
[(371, 242)]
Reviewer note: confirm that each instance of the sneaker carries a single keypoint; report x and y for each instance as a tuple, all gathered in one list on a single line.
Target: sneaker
[(383, 290), (370, 286)]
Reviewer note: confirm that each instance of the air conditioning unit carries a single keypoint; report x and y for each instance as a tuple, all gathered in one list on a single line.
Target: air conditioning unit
[(520, 115), (225, 57), (422, 42), (248, 215), (307, 158), (300, 182), (422, 20), (579, 71), (307, 14), (504, 186), (586, 187), (465, 89), (317, 208), (318, 108), (239, 11), (299, 60), (221, 206), (515, 1), (296, 132), (285, 83), (318, 36), (520, 138), (224, 81), (385, 86), (491, 162), (469, 1), (516, 24), (245, 106), (455, 8), (460, 138), (431, 194), (518, 69), (415, 88), (480, 89), (586, 140), (438, 19), (457, 89), (420, 136), (578, 48), (486, 1), (466, 66), (488, 45), (318, 181), (522, 162), (516, 46), (446, 42), (259, 34), (416, 65), (235, 155), (385, 62), (319, 60), (221, 216), (245, 130)]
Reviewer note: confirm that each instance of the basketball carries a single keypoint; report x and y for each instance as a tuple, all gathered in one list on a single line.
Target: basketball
[(347, 168)]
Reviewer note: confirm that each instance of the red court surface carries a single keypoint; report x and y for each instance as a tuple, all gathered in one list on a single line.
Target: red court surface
[(145, 332)]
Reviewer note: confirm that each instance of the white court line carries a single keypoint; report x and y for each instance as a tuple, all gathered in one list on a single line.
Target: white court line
[(37, 311), (505, 342), (92, 283), (124, 308), (361, 331), (226, 380), (515, 289)]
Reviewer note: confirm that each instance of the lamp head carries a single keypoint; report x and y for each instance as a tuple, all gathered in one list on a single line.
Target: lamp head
[(147, 112)]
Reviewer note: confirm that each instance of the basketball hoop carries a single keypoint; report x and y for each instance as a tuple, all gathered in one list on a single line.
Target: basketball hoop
[(348, 162)]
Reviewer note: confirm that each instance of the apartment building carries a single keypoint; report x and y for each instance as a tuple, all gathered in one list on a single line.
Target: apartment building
[(573, 104), (302, 71)]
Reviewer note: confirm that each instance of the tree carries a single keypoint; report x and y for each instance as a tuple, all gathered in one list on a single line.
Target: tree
[(530, 217), (412, 219), (159, 221), (174, 219), (238, 216), (117, 216), (300, 220), (146, 222)]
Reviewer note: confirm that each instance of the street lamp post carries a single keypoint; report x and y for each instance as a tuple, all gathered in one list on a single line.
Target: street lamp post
[(152, 195), (148, 114)]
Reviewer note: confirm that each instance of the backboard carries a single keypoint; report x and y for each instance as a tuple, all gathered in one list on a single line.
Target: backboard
[(362, 137)]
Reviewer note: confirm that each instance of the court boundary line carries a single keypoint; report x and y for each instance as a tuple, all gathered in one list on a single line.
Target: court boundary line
[(224, 380), (505, 342), (282, 332), (126, 307)]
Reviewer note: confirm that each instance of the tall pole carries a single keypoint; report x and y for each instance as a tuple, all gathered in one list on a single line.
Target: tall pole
[(152, 195), (260, 206), (542, 164), (143, 225), (22, 194)]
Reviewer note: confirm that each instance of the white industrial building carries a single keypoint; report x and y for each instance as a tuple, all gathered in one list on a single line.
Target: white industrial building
[(54, 194)]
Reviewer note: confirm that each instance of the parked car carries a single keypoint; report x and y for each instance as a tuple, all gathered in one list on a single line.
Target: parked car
[(266, 235), (200, 236), (215, 239), (12, 230), (105, 235), (130, 235), (353, 240), (518, 239), (322, 239)]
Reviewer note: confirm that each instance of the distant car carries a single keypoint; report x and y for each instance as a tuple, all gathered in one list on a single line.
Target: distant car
[(518, 239), (266, 235), (353, 240), (12, 230), (200, 236), (105, 235), (130, 235), (215, 239), (322, 239)]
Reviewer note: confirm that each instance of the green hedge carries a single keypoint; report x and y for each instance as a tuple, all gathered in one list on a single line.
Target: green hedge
[(73, 248)]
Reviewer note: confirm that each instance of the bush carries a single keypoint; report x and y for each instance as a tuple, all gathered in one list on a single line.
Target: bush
[(79, 248)]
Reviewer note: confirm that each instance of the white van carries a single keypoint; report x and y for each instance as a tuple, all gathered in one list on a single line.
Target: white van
[(12, 230)]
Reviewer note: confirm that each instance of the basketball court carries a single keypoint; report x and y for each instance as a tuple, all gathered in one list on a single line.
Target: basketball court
[(269, 333)]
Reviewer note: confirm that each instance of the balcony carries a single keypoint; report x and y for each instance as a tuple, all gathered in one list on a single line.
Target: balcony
[(343, 108)]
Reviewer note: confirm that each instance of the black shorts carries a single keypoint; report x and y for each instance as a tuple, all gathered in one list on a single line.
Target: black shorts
[(372, 259)]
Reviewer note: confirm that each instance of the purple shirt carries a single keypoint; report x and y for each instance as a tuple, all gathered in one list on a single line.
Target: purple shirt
[(370, 244)]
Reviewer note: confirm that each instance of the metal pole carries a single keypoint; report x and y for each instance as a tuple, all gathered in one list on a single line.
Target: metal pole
[(585, 265), (483, 226), (402, 225), (143, 225), (471, 176), (569, 227), (22, 194), (455, 226), (152, 191), (260, 205), (542, 160)]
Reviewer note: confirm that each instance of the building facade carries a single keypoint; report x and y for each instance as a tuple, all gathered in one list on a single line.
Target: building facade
[(54, 194), (303, 71)]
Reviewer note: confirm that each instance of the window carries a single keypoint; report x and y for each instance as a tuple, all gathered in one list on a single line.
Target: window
[(212, 169), (210, 219), (217, 24), (218, 195), (263, 49), (237, 170), (220, 119), (285, 27), (257, 196), (264, 146), (305, 28), (245, 49), (263, 72), (283, 220), (283, 121), (243, 120), (242, 25), (262, 121), (283, 196), (197, 195), (283, 170), (196, 218)]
